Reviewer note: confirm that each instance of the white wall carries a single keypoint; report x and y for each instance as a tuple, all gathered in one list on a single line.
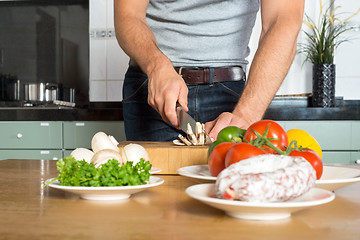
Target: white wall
[(108, 62), (299, 77), (348, 55)]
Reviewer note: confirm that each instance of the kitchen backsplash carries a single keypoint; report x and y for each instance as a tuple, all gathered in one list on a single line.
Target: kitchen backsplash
[(108, 62)]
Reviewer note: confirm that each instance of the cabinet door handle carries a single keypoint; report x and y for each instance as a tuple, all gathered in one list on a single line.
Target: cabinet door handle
[(19, 135)]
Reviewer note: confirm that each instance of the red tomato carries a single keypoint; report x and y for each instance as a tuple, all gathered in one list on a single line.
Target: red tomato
[(275, 131), (312, 157), (216, 159), (241, 151)]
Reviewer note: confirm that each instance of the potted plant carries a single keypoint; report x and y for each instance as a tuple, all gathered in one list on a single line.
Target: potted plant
[(323, 39)]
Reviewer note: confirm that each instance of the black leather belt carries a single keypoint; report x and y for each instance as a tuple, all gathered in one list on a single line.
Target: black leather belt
[(206, 75)]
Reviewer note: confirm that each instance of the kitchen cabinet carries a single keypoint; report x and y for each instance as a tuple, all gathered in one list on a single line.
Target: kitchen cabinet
[(79, 134), (30, 135), (31, 140), (31, 154), (51, 140), (339, 140)]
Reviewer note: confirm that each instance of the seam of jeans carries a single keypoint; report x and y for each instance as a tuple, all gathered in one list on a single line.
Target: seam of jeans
[(230, 90), (136, 91)]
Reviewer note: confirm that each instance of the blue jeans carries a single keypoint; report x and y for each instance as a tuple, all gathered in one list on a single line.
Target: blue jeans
[(205, 103)]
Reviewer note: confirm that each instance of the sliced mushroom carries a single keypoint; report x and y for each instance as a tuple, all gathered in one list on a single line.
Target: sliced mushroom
[(197, 138), (184, 140), (191, 136), (82, 154), (178, 142), (113, 140), (103, 156), (102, 141), (199, 133)]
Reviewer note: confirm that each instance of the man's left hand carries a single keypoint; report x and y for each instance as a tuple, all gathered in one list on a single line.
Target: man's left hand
[(223, 120)]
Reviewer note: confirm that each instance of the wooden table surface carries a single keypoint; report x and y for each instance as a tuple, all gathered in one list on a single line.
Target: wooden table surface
[(30, 211)]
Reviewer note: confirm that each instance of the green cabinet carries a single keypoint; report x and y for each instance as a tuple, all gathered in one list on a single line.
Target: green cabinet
[(355, 136), (31, 154), (30, 135), (339, 140), (51, 140), (79, 134)]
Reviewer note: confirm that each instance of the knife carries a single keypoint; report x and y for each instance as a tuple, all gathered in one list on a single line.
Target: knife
[(185, 119)]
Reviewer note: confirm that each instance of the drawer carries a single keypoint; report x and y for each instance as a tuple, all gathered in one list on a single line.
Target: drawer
[(79, 134), (336, 157), (355, 136), (66, 153), (355, 157), (31, 135), (331, 135), (342, 157), (31, 154)]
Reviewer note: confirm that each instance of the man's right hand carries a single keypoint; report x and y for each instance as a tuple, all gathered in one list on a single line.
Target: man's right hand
[(166, 89)]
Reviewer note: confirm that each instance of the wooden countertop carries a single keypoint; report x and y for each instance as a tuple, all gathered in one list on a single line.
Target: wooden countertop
[(30, 211)]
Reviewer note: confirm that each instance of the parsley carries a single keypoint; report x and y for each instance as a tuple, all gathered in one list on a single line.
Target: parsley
[(81, 173)]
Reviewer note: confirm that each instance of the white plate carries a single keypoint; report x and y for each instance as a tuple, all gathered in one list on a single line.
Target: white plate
[(196, 171), (106, 193), (333, 177), (259, 211), (154, 170)]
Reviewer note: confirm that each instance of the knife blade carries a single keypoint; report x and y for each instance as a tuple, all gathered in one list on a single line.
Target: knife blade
[(185, 119)]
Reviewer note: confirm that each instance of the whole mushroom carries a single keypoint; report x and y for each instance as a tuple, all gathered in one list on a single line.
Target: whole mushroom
[(134, 152), (102, 141), (103, 156), (82, 154)]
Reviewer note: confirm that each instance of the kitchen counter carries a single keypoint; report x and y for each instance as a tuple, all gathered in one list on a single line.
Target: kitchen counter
[(30, 211), (280, 109)]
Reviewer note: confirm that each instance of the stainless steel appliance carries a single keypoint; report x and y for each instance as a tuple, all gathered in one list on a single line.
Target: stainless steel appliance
[(41, 92)]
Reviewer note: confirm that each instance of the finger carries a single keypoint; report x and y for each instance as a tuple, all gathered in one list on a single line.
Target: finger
[(158, 106), (209, 126), (221, 122), (170, 111), (183, 98)]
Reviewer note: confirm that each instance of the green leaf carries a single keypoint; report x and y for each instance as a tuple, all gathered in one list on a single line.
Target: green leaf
[(112, 173)]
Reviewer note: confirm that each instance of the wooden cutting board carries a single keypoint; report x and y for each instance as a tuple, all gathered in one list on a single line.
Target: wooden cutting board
[(169, 157)]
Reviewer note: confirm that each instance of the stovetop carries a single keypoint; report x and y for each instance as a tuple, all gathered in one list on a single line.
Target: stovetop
[(37, 104)]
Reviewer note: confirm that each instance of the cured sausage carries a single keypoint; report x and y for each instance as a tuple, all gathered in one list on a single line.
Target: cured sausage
[(266, 178)]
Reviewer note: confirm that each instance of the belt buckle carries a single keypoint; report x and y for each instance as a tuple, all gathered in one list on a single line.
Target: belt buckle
[(190, 68)]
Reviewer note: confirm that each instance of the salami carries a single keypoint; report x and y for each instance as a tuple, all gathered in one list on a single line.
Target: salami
[(266, 178)]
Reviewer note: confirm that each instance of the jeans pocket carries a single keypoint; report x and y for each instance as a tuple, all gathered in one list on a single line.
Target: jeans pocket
[(135, 85), (234, 88), (132, 90)]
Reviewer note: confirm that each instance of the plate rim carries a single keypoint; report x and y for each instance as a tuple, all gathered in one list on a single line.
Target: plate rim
[(339, 180), (154, 170), (55, 184), (182, 171), (287, 204)]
